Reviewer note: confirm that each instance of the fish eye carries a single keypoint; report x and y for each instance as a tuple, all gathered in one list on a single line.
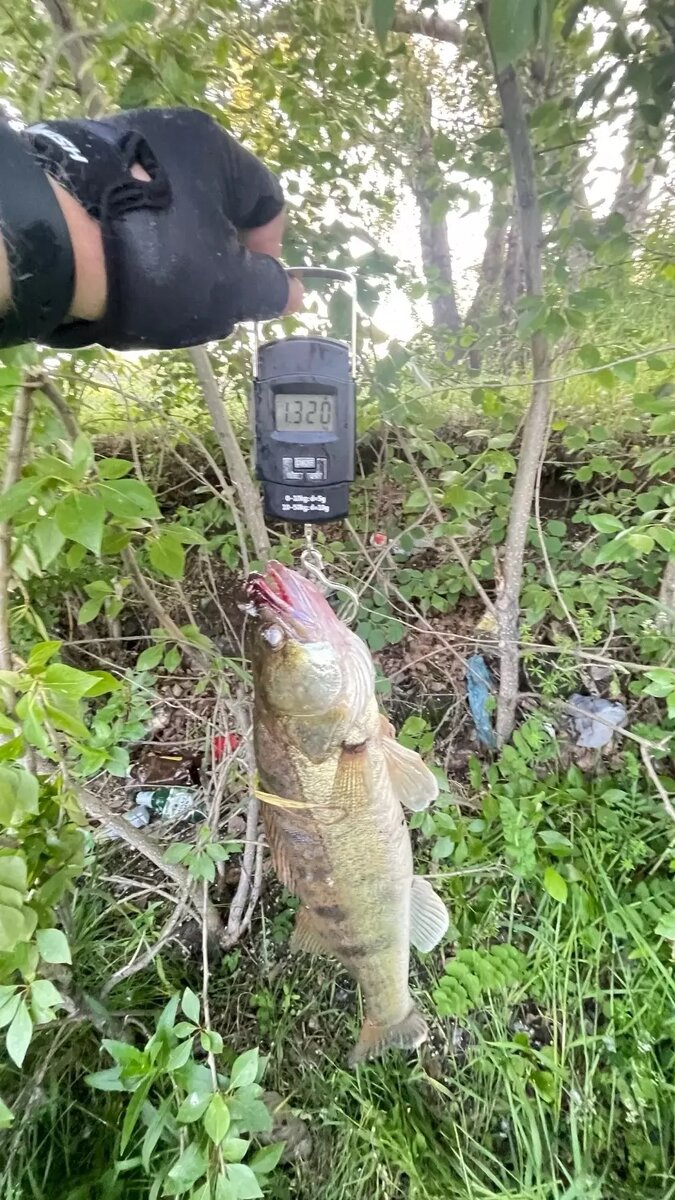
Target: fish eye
[(273, 635)]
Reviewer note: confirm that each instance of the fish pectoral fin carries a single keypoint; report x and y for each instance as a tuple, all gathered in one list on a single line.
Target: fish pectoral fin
[(429, 918), (275, 841), (386, 728), (375, 1040), (411, 780), (306, 937)]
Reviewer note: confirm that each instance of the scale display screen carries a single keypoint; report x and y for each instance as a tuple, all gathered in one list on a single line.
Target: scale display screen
[(304, 413)]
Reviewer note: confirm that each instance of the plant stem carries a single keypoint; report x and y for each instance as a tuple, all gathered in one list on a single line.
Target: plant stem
[(249, 498)]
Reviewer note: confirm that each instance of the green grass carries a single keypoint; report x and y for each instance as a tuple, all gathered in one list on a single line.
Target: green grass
[(560, 1089)]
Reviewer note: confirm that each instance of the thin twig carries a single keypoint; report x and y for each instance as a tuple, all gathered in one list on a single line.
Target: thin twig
[(13, 462), (651, 771), (249, 497), (95, 807), (140, 962), (205, 983)]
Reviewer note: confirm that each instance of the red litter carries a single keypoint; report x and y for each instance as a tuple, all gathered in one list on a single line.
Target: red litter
[(224, 743)]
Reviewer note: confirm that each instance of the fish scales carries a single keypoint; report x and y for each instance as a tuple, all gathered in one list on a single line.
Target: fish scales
[(332, 781)]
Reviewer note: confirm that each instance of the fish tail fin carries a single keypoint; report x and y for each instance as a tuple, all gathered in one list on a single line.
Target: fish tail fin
[(375, 1040)]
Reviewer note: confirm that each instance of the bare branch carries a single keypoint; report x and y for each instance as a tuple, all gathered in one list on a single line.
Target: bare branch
[(238, 471), (430, 26), (13, 462), (95, 807), (46, 385), (73, 46)]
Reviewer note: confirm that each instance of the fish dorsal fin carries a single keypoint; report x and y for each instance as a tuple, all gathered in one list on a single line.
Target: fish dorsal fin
[(306, 937), (412, 782), (429, 918)]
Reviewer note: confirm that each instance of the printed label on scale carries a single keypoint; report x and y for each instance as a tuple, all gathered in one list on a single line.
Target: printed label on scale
[(305, 504)]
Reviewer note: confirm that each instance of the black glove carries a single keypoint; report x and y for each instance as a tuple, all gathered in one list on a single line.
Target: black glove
[(177, 273)]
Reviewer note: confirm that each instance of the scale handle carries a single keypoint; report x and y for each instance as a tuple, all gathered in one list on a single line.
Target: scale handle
[(335, 273)]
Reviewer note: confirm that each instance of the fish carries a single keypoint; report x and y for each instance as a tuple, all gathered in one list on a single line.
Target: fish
[(333, 783)]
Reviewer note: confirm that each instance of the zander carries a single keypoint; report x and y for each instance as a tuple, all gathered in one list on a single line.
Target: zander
[(334, 782)]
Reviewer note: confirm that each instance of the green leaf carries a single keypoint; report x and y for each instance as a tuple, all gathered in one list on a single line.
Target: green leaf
[(244, 1182), (82, 456), (106, 1081), (664, 424), (45, 995), (266, 1159), (179, 1055), (190, 1006), (186, 1170), (129, 498), (193, 1107), (189, 537), (234, 1149), (15, 499), (68, 681), (19, 1034), (150, 658), (606, 523), (666, 927), (89, 610), (13, 873), (172, 659), (217, 1118), (6, 1116), (113, 468), (167, 555), (555, 885), (512, 29), (8, 1006), (53, 946), (210, 1040), (177, 853), (102, 682), (383, 18), (81, 518), (154, 1132), (66, 721), (133, 1112), (245, 1069), (12, 926), (48, 539)]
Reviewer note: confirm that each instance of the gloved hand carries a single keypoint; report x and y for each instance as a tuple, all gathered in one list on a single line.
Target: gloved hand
[(191, 225)]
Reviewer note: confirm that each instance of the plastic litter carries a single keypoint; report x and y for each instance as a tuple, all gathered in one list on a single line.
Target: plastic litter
[(170, 803), (596, 721), (479, 691)]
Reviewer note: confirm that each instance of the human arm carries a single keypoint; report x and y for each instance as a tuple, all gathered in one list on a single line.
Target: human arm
[(157, 259)]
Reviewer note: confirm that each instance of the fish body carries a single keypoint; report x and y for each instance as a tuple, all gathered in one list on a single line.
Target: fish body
[(333, 781)]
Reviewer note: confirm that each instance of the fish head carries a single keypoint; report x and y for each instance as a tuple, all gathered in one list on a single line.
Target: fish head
[(306, 662)]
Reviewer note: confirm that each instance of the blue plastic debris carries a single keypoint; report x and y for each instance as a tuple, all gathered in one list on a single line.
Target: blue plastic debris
[(479, 692)]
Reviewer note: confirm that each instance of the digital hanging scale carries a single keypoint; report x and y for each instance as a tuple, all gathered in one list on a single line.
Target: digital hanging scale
[(304, 407)]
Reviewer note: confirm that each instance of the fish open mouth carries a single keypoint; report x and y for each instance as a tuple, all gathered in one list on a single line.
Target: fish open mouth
[(268, 591)]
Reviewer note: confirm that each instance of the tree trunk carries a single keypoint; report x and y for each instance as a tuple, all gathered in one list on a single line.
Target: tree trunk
[(426, 184), (637, 173), (535, 429), (491, 268)]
